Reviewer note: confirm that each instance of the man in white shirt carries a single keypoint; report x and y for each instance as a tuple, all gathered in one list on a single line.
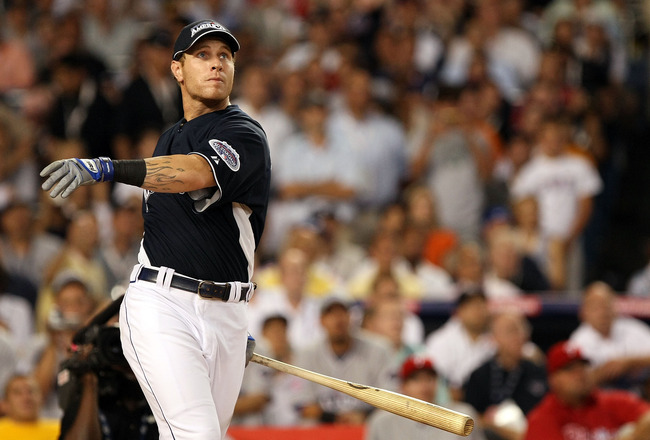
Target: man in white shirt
[(290, 300), (463, 342), (377, 138), (618, 347)]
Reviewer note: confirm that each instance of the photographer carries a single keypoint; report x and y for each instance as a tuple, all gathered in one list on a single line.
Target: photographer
[(73, 305), (97, 389)]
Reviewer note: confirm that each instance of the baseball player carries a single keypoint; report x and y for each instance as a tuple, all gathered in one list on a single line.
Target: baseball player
[(183, 319)]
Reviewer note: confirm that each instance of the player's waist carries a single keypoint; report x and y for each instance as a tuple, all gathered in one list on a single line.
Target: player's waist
[(233, 291)]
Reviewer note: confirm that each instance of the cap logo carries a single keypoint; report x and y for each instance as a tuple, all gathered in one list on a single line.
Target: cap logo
[(206, 25)]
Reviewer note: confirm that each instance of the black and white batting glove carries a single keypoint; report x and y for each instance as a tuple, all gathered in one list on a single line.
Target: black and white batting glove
[(66, 175), (250, 348)]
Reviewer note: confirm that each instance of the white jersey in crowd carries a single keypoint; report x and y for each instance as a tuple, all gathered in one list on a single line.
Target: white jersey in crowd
[(628, 337), (557, 183), (303, 321), (455, 354)]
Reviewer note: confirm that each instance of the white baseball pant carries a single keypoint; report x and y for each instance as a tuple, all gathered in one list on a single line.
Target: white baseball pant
[(188, 354)]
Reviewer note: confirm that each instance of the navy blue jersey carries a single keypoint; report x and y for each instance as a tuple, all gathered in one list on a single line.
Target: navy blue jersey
[(211, 233)]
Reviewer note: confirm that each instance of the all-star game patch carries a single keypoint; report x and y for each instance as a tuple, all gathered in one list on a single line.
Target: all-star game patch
[(226, 153)]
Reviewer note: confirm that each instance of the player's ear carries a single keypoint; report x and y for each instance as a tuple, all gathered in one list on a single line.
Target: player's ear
[(177, 71)]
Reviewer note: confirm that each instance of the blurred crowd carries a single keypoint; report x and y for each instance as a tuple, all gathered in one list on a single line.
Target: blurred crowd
[(423, 150)]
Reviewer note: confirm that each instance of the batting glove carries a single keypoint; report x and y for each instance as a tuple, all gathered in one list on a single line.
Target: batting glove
[(250, 348), (66, 175)]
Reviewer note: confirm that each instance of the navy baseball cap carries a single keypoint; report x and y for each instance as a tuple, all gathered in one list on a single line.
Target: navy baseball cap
[(193, 32)]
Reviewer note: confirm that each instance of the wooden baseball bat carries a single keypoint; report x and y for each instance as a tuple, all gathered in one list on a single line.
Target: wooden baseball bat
[(409, 407)]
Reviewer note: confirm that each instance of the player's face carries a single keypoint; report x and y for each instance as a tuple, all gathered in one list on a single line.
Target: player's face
[(206, 72)]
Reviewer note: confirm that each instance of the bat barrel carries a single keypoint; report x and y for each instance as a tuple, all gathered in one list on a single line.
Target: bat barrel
[(405, 406)]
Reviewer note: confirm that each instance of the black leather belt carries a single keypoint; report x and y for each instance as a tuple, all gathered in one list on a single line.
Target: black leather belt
[(205, 289)]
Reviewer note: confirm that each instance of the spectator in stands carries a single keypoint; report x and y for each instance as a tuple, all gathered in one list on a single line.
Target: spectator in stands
[(463, 343), (73, 305), (21, 406), (466, 264), (564, 185), (321, 280), (17, 71), (436, 283), (377, 138), (273, 25), (292, 93), (385, 319), (151, 100), (80, 110), (384, 257), (454, 165), (516, 153), (269, 397), (110, 30), (255, 97), (340, 255), (8, 360), (418, 378), (617, 346), (511, 382), (120, 254), (503, 267), (26, 252), (342, 353), (321, 183), (17, 320), (79, 255), (526, 230), (18, 169), (573, 408), (510, 272), (315, 48), (290, 299)]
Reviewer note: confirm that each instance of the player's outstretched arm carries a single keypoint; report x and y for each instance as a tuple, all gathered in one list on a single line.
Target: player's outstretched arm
[(171, 174)]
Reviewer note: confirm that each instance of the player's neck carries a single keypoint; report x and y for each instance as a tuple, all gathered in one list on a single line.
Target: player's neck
[(193, 108)]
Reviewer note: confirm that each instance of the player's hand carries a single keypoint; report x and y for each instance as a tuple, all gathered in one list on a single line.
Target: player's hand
[(250, 348), (66, 175)]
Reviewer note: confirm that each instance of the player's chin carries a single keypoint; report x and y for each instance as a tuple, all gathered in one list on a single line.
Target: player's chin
[(217, 91)]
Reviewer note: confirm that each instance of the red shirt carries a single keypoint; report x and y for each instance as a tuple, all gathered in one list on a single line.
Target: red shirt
[(600, 419)]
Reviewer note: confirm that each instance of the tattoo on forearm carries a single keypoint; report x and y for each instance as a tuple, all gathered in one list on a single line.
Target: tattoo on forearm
[(161, 175)]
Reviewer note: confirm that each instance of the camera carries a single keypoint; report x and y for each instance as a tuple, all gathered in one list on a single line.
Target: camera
[(97, 354), (96, 349), (104, 355)]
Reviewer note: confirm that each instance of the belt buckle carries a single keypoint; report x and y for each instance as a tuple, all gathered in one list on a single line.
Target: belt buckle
[(214, 294)]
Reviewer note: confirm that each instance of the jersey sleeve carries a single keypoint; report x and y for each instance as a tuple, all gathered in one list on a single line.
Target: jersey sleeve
[(238, 157)]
